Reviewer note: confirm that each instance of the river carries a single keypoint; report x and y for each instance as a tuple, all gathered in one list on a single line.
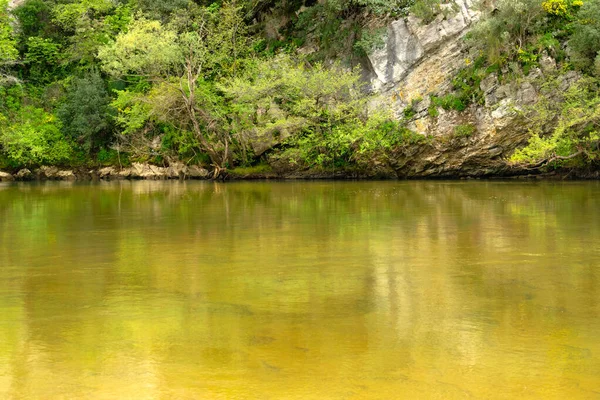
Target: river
[(300, 290)]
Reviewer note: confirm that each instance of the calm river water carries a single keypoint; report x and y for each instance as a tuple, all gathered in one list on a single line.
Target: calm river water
[(378, 290)]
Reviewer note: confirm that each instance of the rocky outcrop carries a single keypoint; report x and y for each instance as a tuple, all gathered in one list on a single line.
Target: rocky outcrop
[(6, 177), (135, 172), (409, 43), (153, 172), (419, 61), (24, 175)]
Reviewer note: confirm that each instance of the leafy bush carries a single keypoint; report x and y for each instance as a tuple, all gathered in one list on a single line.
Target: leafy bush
[(147, 48), (34, 17), (561, 8), (34, 139), (427, 10), (370, 40), (43, 57), (575, 135), (511, 26), (585, 40), (464, 130), (8, 50), (84, 113)]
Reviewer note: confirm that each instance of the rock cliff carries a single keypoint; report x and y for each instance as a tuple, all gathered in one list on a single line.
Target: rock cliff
[(418, 61)]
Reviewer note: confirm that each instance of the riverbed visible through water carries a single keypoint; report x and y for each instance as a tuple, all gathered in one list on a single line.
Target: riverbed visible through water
[(300, 290)]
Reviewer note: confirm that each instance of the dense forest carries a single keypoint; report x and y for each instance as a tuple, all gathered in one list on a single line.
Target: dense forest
[(250, 85)]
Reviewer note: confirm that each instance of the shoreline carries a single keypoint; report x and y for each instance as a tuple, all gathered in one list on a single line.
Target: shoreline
[(182, 172)]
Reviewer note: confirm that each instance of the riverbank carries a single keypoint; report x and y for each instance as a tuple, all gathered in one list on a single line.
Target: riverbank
[(180, 171)]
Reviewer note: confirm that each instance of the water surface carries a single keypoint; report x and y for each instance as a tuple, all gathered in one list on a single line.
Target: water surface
[(379, 290)]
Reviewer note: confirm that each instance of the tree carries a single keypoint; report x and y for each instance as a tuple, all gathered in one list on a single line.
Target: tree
[(317, 114), (507, 29), (33, 138), (575, 136), (147, 48), (585, 40), (8, 50), (199, 46), (84, 113)]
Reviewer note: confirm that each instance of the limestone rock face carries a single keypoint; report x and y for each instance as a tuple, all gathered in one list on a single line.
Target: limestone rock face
[(24, 175), (45, 172), (107, 173), (409, 43), (196, 172), (6, 177), (418, 61), (66, 175)]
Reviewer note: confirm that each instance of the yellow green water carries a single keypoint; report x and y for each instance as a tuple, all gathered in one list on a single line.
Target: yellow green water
[(379, 290)]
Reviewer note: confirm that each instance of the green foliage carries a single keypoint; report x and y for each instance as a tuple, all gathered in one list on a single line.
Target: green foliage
[(147, 48), (512, 25), (33, 139), (84, 113), (340, 28), (428, 10), (213, 38), (432, 111), (68, 16), (464, 130), (585, 40), (34, 18), (370, 40), (314, 107), (189, 80), (108, 157), (393, 8), (181, 143), (43, 57), (576, 134), (259, 169), (11, 98), (132, 109), (561, 8), (466, 89), (160, 8), (8, 50)]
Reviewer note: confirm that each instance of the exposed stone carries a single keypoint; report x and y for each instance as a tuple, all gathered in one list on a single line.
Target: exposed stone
[(46, 172), (6, 177), (495, 151), (527, 94), (137, 169), (547, 63), (177, 170), (567, 80), (125, 173), (157, 172), (24, 175), (423, 105), (534, 74), (107, 172), (196, 172), (505, 109), (408, 42), (65, 175)]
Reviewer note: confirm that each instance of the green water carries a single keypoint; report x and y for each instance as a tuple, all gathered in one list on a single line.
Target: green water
[(379, 290)]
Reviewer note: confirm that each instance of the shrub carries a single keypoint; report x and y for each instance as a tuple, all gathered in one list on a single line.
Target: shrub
[(84, 113), (464, 130), (34, 139), (585, 40), (575, 135)]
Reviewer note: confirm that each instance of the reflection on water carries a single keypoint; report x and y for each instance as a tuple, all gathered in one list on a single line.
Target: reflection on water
[(380, 290)]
